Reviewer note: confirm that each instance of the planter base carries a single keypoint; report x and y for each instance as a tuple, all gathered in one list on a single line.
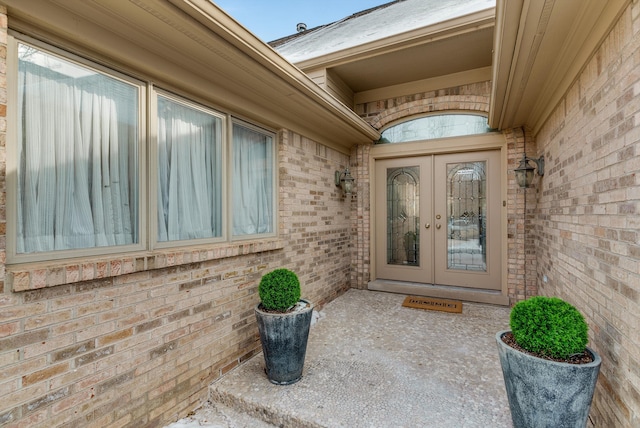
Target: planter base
[(545, 393), (284, 343)]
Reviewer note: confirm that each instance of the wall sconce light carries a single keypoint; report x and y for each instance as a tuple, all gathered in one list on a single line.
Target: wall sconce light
[(345, 180), (524, 171)]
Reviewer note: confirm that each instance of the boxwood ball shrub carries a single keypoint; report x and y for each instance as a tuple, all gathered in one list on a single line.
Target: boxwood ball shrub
[(549, 326), (279, 290)]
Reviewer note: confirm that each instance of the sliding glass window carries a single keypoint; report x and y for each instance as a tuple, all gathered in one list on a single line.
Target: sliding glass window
[(189, 171)]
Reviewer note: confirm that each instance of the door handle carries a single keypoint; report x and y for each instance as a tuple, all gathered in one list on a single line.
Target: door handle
[(427, 226), (438, 226)]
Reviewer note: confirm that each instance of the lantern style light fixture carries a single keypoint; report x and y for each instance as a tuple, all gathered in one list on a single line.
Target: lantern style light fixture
[(524, 171), (345, 181)]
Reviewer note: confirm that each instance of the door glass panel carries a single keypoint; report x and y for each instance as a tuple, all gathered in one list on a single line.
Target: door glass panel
[(403, 216), (466, 216)]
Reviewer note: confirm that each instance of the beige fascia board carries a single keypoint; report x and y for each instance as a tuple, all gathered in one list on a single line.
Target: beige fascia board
[(515, 101), (580, 46), (442, 30), (505, 45), (215, 19), (170, 74), (455, 79)]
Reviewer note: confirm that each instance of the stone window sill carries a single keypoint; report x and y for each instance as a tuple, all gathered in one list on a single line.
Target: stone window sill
[(34, 276)]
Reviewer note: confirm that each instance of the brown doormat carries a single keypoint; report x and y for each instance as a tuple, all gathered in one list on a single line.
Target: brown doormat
[(443, 305)]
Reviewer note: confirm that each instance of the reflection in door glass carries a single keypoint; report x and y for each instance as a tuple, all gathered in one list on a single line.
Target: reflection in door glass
[(466, 216), (403, 216)]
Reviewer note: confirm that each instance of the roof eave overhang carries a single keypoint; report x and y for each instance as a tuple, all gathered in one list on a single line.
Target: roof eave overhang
[(279, 68), (540, 48), (194, 46), (445, 29)]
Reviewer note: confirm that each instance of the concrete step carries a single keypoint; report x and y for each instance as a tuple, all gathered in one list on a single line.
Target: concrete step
[(268, 414), (219, 415), (372, 362)]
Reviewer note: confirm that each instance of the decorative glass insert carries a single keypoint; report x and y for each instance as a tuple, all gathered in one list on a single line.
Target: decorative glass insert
[(403, 216), (467, 216), (437, 126)]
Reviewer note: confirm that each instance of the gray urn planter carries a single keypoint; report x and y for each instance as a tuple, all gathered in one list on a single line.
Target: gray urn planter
[(545, 393), (284, 342)]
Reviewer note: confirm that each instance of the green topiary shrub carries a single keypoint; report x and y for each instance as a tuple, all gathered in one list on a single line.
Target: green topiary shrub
[(279, 290), (549, 326)]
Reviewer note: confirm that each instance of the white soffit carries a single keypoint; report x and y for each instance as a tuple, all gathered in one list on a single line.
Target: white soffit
[(195, 47), (540, 48), (400, 46)]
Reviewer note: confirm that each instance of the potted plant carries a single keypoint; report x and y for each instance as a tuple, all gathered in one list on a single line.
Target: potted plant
[(549, 372), (283, 322)]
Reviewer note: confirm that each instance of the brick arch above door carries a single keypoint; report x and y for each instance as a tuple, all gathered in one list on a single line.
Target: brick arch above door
[(384, 107), (460, 103)]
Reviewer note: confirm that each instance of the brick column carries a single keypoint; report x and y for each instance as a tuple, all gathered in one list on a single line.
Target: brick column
[(3, 135), (521, 211), (361, 217)]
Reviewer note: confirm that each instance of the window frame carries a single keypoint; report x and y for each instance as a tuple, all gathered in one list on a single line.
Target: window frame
[(154, 170), (148, 92), (12, 149), (428, 115), (274, 180)]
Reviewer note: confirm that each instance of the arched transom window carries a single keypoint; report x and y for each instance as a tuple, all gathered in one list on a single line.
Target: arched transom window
[(435, 126)]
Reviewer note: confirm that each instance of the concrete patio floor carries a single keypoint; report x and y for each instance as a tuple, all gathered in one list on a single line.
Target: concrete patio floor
[(373, 363)]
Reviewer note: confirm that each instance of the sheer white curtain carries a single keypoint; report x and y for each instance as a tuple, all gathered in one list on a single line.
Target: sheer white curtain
[(77, 156), (189, 172), (252, 183)]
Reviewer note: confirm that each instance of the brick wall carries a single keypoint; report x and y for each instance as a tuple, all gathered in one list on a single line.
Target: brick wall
[(316, 218), (471, 97), (142, 347), (361, 220), (521, 214), (588, 214), (135, 339)]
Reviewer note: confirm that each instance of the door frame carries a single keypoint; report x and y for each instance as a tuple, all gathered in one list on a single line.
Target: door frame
[(480, 142)]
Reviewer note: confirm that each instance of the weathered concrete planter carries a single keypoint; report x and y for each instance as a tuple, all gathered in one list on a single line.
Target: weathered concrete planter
[(545, 393), (284, 343)]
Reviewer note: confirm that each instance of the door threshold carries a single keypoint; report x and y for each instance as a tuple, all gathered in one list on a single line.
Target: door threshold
[(442, 291)]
